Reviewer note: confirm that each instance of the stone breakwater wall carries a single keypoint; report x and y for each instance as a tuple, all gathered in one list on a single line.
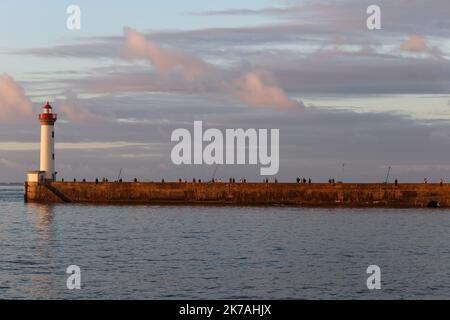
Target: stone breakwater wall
[(405, 195)]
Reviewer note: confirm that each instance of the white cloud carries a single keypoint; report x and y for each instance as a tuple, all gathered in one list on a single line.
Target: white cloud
[(255, 92), (14, 105), (164, 60), (416, 44)]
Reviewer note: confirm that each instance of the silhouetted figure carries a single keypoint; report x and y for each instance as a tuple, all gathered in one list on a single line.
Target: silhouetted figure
[(298, 180), (199, 180), (62, 180), (74, 180), (276, 180), (194, 181), (304, 180), (425, 180), (162, 180), (309, 181), (135, 180), (84, 180), (396, 182)]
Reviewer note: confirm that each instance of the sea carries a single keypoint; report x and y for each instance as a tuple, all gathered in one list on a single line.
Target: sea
[(184, 252)]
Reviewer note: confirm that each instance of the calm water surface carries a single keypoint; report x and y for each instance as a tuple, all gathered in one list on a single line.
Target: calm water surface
[(145, 252)]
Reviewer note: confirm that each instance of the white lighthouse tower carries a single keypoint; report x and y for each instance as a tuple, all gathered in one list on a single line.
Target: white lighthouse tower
[(47, 164)]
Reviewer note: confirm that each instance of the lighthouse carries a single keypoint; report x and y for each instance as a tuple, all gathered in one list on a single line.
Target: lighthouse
[(47, 160)]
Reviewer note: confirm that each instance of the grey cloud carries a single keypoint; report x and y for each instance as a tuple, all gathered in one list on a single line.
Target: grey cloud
[(323, 72), (81, 49), (326, 69), (429, 17), (316, 21), (327, 74), (176, 71)]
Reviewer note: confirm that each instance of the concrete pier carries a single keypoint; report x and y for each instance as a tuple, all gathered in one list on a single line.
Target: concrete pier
[(404, 195)]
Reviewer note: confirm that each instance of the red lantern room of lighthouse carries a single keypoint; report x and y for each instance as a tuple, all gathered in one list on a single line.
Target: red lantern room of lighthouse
[(47, 116)]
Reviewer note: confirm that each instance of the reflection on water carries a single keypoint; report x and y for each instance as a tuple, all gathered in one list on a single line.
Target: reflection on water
[(200, 252), (43, 215)]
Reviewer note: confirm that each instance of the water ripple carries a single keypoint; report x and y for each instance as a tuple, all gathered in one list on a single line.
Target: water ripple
[(220, 253)]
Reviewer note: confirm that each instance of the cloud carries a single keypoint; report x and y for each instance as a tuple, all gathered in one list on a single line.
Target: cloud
[(310, 47), (367, 142), (251, 87), (347, 14), (311, 21), (92, 48), (175, 71), (74, 111), (415, 44), (77, 114), (14, 105), (163, 60), (10, 164), (253, 90), (257, 63), (86, 146)]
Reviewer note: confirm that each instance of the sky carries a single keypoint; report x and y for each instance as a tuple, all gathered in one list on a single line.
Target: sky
[(349, 102)]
